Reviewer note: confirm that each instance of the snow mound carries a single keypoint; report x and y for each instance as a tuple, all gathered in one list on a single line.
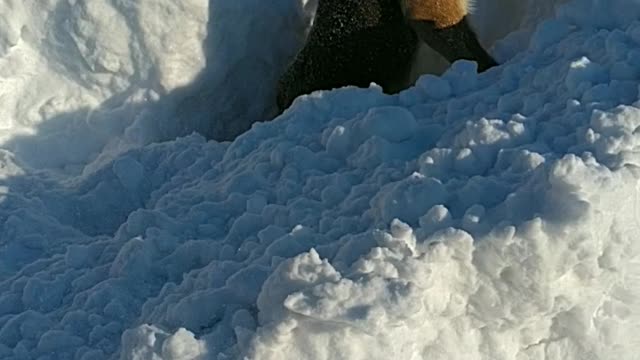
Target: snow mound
[(490, 216)]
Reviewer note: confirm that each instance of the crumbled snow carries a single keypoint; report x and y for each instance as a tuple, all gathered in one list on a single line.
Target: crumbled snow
[(490, 216)]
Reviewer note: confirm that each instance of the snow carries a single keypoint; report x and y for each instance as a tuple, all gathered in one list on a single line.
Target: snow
[(490, 216)]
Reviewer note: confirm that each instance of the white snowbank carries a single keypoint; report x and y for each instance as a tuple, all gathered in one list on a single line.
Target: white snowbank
[(490, 216)]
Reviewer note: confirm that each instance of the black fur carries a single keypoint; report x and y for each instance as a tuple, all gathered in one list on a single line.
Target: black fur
[(455, 42), (356, 42), (352, 42)]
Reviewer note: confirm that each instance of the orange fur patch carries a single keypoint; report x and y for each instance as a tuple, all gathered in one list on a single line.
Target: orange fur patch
[(443, 13)]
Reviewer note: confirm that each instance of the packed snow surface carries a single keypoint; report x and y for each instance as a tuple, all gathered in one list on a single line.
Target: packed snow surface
[(491, 216)]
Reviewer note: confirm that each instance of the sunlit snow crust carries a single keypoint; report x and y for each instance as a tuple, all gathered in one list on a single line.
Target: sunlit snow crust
[(489, 216)]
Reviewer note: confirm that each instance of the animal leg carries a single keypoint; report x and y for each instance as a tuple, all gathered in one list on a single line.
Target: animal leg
[(443, 25)]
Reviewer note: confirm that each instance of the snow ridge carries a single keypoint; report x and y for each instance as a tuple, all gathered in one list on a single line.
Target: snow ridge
[(490, 216)]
